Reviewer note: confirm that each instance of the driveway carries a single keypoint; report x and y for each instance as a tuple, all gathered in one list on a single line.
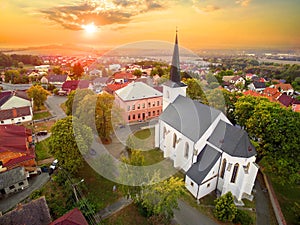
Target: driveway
[(35, 183), (262, 205), (53, 104)]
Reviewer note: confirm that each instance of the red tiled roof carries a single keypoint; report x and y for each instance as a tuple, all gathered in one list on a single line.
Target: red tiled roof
[(270, 91), (296, 107), (70, 85), (16, 161), (114, 87), (252, 93), (13, 138), (74, 217), (124, 75), (14, 113), (285, 100), (83, 84), (284, 87)]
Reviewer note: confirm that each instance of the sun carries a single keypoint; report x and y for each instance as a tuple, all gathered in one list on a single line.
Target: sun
[(90, 28)]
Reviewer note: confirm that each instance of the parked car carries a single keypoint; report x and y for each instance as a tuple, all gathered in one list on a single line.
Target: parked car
[(42, 133), (53, 165)]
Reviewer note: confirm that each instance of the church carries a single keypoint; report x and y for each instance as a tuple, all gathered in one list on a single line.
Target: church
[(202, 142)]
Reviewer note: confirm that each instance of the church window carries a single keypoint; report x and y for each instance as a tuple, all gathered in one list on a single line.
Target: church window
[(165, 132), (234, 173), (192, 184), (174, 140), (223, 168), (208, 185), (186, 150)]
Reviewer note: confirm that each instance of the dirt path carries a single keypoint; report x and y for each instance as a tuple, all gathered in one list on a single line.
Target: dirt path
[(45, 161)]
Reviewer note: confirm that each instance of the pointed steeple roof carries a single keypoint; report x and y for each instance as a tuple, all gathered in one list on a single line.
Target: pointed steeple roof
[(175, 67)]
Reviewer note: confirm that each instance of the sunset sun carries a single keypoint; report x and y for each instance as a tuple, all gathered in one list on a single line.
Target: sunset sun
[(90, 28)]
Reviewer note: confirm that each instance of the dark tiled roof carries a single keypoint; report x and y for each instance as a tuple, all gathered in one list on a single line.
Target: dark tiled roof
[(14, 113), (35, 212), (11, 177), (57, 78), (74, 217), (259, 84), (205, 161), (4, 99), (70, 85), (172, 84), (232, 140), (286, 100), (189, 117)]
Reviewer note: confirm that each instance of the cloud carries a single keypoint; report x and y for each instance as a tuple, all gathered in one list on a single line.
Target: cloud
[(243, 2), (208, 7), (101, 13)]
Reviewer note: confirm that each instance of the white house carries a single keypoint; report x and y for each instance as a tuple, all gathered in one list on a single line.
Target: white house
[(16, 115), (201, 141)]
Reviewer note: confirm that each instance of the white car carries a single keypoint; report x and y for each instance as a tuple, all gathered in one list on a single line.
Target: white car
[(53, 164)]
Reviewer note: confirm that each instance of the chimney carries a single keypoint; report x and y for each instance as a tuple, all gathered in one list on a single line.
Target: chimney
[(14, 112)]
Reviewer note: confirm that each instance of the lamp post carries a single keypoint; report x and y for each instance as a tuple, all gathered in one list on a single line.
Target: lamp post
[(74, 190)]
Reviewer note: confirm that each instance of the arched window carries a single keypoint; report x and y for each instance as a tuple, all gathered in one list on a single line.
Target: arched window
[(234, 173), (174, 140), (186, 150), (165, 132), (223, 168)]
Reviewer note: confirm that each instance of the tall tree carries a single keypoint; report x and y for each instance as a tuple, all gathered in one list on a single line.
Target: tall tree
[(69, 141), (104, 106), (78, 70), (74, 98), (38, 94)]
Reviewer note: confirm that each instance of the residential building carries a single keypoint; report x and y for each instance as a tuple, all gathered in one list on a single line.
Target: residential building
[(16, 115), (257, 86), (201, 141), (73, 217), (284, 88), (139, 102), (35, 212)]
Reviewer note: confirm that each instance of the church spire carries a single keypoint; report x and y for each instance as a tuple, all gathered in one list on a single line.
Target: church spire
[(175, 67)]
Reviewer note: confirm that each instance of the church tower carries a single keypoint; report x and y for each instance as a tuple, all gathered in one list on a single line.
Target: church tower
[(173, 87)]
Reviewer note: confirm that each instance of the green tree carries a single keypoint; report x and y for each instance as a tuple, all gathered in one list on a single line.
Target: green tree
[(160, 199), (12, 76), (195, 89), (38, 94), (69, 140), (242, 218), (74, 99), (128, 176), (103, 113), (225, 209), (57, 70), (137, 73)]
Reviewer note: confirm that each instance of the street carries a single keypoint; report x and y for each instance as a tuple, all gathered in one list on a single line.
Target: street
[(53, 104)]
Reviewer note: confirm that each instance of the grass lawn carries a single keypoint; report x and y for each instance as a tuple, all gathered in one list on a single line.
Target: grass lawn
[(99, 189), (152, 156), (41, 115), (288, 197), (42, 150), (127, 216), (46, 125)]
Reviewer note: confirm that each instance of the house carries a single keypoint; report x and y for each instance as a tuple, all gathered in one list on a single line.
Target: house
[(16, 115), (14, 99), (35, 212), (16, 147), (296, 107), (57, 80), (13, 180), (112, 88), (201, 141), (73, 217), (237, 80), (96, 73), (123, 77), (71, 85), (284, 88), (286, 100), (139, 102), (257, 86)]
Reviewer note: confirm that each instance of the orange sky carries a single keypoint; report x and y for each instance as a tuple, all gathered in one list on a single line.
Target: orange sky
[(201, 23)]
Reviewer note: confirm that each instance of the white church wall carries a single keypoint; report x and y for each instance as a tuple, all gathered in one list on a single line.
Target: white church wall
[(170, 94), (192, 186)]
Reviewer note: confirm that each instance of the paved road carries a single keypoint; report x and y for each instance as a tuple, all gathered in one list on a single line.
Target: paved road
[(262, 205), (34, 184), (187, 215), (53, 104)]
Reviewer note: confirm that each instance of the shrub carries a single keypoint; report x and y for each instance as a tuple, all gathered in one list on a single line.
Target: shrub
[(242, 218), (225, 209)]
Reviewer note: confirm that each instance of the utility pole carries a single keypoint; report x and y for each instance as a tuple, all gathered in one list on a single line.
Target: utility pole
[(74, 189)]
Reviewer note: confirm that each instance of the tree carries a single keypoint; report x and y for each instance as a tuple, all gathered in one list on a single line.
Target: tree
[(103, 113), (137, 73), (74, 98), (160, 199), (38, 94), (195, 89), (57, 70), (225, 209), (78, 70), (69, 140), (12, 76)]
